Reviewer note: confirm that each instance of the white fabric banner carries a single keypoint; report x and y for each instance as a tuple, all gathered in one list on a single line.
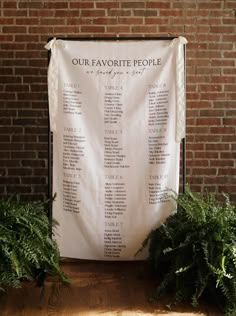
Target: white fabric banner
[(117, 112)]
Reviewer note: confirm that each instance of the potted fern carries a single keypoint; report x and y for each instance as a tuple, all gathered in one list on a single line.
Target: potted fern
[(193, 254), (27, 251)]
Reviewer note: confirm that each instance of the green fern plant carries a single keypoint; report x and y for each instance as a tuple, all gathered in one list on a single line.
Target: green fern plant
[(26, 248), (193, 254)]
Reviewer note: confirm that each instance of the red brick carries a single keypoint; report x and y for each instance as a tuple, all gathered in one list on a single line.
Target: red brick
[(27, 38), (68, 29), (133, 4), (81, 5), (200, 104), (230, 88), (196, 147), (19, 171), (31, 4), (16, 88), (105, 21), (158, 5), (14, 13), (6, 38), (210, 5), (118, 29), (55, 5), (171, 30), (40, 172), (9, 180), (77, 21), (229, 21), (145, 13), (227, 189), (198, 46), (231, 96), (33, 180), (207, 138), (119, 12), (223, 79), (10, 5), (33, 163), (32, 197), (208, 121), (230, 54), (130, 21), (214, 180), (190, 121), (222, 130), (156, 21), (51, 21), (208, 54), (195, 188), (221, 46), (223, 63), (6, 54), (194, 180), (93, 29), (229, 71), (228, 138), (93, 13), (107, 4), (212, 95), (42, 13), (6, 21), (211, 113), (7, 96), (230, 113), (229, 121), (4, 138), (220, 13), (23, 155), (144, 29), (222, 163), (229, 4), (184, 5), (36, 146), (14, 29), (18, 189), (197, 130), (222, 29), (65, 13), (196, 29), (228, 155), (199, 62), (171, 12), (227, 171), (210, 87), (198, 163), (10, 79), (229, 38), (224, 104), (208, 37), (204, 171), (183, 21)]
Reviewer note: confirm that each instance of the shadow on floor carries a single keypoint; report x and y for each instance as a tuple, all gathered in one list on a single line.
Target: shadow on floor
[(96, 288)]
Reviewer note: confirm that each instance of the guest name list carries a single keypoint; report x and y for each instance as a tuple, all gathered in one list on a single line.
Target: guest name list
[(115, 155)]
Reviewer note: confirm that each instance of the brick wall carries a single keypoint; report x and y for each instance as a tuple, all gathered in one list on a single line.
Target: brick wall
[(209, 26)]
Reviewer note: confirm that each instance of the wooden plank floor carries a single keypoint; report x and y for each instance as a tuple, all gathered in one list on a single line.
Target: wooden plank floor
[(97, 288)]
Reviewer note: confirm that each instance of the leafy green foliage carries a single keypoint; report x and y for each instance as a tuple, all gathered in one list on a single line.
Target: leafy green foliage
[(193, 253), (26, 247)]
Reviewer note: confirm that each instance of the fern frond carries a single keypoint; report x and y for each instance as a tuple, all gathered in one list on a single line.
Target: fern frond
[(25, 243), (194, 251)]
